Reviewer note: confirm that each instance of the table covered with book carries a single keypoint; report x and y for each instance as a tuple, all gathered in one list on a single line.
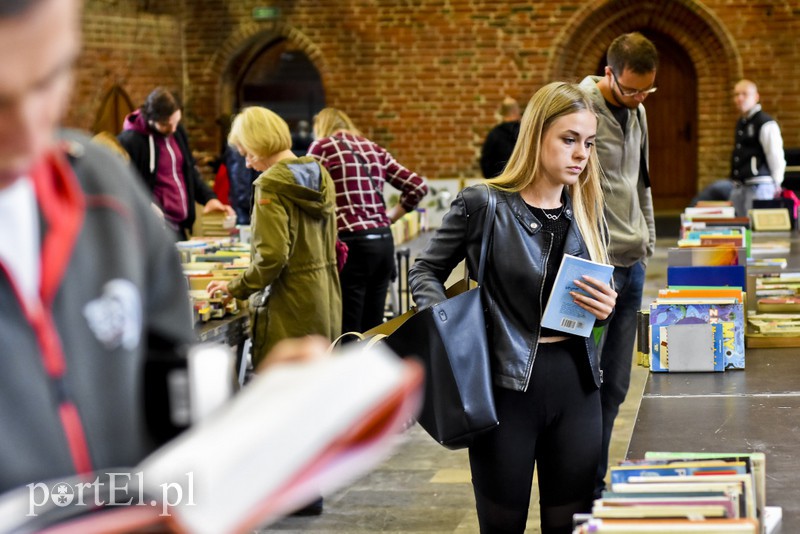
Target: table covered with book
[(755, 409), (751, 410)]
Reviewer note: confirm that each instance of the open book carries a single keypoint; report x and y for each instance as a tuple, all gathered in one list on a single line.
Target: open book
[(293, 433), (561, 312)]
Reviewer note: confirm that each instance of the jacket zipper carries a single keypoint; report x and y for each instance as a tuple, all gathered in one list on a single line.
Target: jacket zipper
[(177, 180), (63, 220), (541, 311)]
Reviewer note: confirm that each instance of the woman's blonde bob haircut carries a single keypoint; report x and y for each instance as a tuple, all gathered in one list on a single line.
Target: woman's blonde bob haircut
[(330, 120), (549, 103), (260, 132)]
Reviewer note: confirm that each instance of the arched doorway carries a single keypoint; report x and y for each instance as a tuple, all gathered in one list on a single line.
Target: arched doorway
[(672, 125), (672, 120), (283, 79), (698, 57)]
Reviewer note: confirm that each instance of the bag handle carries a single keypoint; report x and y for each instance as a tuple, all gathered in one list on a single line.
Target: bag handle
[(370, 340), (488, 224)]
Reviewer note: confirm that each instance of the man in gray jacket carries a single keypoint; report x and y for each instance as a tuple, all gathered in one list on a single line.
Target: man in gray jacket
[(622, 147), (91, 290)]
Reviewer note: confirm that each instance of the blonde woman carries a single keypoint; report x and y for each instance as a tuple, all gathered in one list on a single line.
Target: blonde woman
[(360, 170), (546, 384), (294, 236)]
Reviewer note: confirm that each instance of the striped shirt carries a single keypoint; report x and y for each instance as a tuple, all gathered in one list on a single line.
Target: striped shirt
[(351, 160)]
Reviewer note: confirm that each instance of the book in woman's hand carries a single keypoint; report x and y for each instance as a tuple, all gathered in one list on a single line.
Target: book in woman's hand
[(561, 313)]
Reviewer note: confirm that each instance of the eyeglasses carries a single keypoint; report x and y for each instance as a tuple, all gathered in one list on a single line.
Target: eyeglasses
[(625, 91)]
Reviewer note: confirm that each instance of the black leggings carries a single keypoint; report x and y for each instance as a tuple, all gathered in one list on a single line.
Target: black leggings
[(556, 424)]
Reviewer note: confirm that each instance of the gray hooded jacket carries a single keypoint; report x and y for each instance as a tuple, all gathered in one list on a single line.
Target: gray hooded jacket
[(629, 202)]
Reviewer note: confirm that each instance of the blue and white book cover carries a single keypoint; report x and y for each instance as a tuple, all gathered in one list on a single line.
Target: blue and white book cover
[(561, 312)]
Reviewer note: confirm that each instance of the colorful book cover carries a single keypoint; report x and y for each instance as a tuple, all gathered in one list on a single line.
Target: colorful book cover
[(721, 241), (561, 313), (757, 461), (778, 304), (701, 292), (687, 349), (643, 337), (720, 275), (710, 211), (701, 231), (709, 256), (720, 231), (622, 473), (730, 316)]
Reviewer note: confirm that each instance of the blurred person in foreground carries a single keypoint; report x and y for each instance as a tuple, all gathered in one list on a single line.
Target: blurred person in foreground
[(91, 290)]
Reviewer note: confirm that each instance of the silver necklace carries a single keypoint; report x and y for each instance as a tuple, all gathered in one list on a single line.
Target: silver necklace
[(551, 216)]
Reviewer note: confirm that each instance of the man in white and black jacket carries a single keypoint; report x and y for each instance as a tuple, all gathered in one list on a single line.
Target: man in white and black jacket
[(757, 161)]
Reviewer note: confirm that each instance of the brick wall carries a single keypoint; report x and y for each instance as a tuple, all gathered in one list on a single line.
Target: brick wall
[(424, 77)]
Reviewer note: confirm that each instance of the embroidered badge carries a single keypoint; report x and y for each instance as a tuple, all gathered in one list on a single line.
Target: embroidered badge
[(115, 317), (264, 201)]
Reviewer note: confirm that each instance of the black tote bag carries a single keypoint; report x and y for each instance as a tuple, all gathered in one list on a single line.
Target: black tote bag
[(450, 339)]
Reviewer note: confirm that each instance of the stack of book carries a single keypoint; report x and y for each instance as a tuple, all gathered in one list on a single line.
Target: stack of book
[(685, 492), (696, 329), (773, 317), (217, 223), (713, 214), (713, 247), (408, 226)]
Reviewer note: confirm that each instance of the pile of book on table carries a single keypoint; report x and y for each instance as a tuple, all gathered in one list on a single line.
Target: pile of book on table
[(667, 492), (217, 223), (773, 318), (207, 259), (695, 329), (697, 323), (712, 249)]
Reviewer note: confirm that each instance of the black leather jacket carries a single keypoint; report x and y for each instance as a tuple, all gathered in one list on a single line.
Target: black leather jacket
[(512, 285)]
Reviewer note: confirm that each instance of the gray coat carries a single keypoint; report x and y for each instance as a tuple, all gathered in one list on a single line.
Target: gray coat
[(629, 202), (112, 301)]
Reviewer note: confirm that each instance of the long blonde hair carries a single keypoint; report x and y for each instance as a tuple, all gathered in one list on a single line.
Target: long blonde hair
[(330, 120), (552, 101)]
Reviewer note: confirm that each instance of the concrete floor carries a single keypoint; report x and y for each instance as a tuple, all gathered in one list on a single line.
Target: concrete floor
[(425, 488)]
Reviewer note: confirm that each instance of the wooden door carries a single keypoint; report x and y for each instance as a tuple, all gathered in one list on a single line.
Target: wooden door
[(672, 121)]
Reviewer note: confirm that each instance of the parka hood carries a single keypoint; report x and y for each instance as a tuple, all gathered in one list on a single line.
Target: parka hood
[(301, 180)]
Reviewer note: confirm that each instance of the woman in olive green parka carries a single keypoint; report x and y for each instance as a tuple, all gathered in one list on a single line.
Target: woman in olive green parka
[(293, 251)]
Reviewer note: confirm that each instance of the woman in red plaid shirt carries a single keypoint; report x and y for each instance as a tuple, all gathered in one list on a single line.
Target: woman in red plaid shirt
[(360, 170)]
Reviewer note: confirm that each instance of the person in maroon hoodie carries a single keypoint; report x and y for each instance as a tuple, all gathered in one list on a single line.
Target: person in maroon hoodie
[(159, 150)]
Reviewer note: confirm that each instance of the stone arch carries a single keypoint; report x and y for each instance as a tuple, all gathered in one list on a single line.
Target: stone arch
[(583, 42), (247, 42)]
